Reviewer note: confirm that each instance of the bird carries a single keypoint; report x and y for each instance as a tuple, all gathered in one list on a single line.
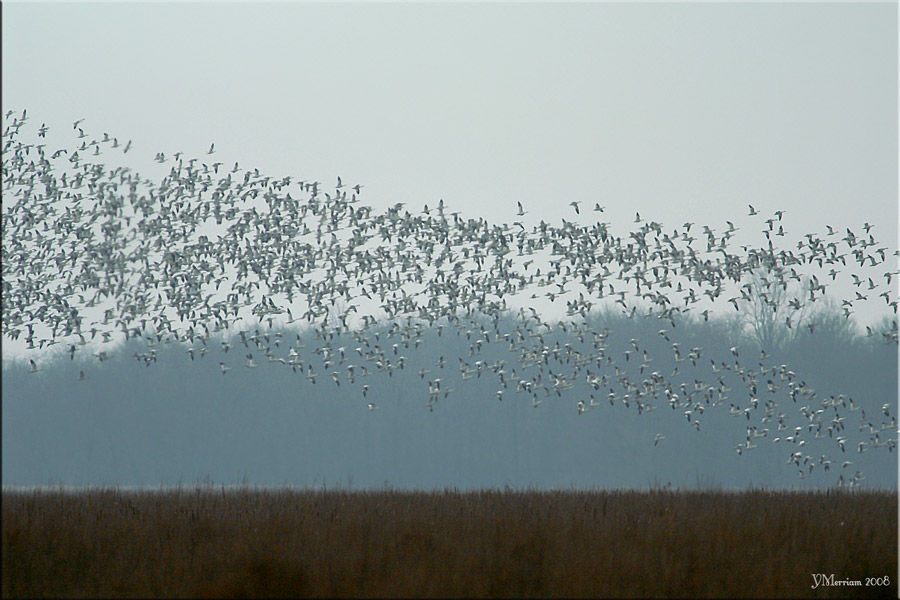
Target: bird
[(115, 255), (659, 437)]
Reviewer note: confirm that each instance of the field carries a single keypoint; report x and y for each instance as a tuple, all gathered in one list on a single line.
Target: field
[(219, 542)]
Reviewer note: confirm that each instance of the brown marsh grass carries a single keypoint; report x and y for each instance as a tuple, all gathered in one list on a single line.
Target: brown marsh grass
[(212, 542)]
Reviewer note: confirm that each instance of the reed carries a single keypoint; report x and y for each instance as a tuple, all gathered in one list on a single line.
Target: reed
[(216, 542)]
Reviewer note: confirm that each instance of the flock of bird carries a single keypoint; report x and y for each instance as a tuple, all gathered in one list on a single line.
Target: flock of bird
[(225, 257)]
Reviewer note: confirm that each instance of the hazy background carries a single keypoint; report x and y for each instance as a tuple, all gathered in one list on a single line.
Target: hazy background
[(684, 112), (183, 421)]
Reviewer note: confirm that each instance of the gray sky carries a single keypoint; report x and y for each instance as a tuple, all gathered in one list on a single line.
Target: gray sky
[(684, 112)]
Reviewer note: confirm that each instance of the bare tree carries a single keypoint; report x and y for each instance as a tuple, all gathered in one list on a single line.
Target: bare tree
[(884, 330), (774, 306), (828, 320)]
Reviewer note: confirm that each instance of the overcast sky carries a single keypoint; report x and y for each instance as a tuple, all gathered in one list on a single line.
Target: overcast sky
[(684, 112)]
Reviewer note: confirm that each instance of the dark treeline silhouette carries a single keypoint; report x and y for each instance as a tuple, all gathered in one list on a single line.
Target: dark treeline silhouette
[(563, 419)]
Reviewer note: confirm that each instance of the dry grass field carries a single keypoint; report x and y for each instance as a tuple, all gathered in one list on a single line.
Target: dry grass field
[(215, 542)]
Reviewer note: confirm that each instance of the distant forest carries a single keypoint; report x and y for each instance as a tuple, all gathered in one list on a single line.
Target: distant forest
[(606, 401)]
